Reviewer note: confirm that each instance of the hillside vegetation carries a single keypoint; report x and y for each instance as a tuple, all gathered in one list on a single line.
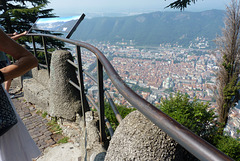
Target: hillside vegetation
[(153, 28)]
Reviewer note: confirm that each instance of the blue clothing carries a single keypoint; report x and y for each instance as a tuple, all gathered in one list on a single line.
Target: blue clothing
[(3, 60), (3, 56)]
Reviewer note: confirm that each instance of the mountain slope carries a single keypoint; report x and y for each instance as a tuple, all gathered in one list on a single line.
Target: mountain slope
[(153, 28)]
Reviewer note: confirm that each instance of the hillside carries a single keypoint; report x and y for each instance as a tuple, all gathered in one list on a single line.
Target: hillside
[(153, 28)]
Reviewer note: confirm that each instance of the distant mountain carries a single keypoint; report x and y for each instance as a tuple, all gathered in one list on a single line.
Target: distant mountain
[(153, 28)]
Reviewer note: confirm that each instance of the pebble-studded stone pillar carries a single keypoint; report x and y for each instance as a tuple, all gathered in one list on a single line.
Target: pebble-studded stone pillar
[(137, 138), (64, 98)]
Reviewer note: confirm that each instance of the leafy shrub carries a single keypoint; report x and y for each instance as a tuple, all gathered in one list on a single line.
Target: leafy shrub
[(123, 111), (228, 145), (194, 115)]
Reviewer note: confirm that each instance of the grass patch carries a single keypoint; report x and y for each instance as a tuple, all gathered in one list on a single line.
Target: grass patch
[(54, 127), (38, 112), (63, 140), (44, 114)]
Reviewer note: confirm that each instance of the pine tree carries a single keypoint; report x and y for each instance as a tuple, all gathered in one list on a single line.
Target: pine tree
[(181, 4), (19, 15)]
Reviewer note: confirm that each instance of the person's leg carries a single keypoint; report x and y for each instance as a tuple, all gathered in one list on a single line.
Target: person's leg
[(7, 85)]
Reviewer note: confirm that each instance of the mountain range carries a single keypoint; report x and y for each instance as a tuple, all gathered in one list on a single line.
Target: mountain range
[(153, 28)]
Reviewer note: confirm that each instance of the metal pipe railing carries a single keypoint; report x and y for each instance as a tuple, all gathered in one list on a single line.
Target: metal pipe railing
[(85, 107), (108, 124), (110, 101), (190, 141), (101, 102), (114, 108), (47, 60)]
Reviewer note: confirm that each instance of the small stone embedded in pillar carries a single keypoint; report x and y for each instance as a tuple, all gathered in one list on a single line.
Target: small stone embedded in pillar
[(64, 98)]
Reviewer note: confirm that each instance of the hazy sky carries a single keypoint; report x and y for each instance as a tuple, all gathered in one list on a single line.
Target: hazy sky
[(77, 7)]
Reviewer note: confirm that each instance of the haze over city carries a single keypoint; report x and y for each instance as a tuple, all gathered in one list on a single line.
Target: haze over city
[(93, 8)]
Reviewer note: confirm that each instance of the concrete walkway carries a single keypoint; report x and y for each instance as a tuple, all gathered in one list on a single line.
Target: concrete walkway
[(44, 138)]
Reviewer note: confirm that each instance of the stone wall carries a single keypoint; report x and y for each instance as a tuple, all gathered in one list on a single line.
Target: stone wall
[(36, 89)]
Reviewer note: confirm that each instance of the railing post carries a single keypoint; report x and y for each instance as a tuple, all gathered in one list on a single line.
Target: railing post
[(84, 103), (34, 46), (103, 137), (114, 108), (46, 55), (34, 49)]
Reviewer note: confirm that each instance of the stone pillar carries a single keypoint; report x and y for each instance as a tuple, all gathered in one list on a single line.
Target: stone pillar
[(64, 98), (137, 138)]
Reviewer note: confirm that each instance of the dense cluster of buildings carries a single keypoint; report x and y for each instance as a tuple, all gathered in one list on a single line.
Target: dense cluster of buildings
[(165, 70), (233, 126), (156, 72)]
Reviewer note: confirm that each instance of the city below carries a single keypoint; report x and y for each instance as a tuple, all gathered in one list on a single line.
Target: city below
[(156, 72)]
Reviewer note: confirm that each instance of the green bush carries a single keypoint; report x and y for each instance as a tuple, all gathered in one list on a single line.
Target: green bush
[(229, 146), (197, 117), (194, 115), (123, 111)]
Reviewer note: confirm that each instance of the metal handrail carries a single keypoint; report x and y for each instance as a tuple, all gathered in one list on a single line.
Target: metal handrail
[(186, 138), (114, 108), (110, 129)]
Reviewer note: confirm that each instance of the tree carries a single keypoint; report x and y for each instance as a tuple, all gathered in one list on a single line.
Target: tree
[(197, 117), (194, 115), (227, 86), (181, 4), (19, 15)]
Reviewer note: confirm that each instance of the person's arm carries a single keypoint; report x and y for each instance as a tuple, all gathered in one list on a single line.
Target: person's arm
[(25, 60), (17, 36)]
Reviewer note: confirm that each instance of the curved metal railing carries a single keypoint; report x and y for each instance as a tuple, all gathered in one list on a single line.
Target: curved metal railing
[(190, 141)]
